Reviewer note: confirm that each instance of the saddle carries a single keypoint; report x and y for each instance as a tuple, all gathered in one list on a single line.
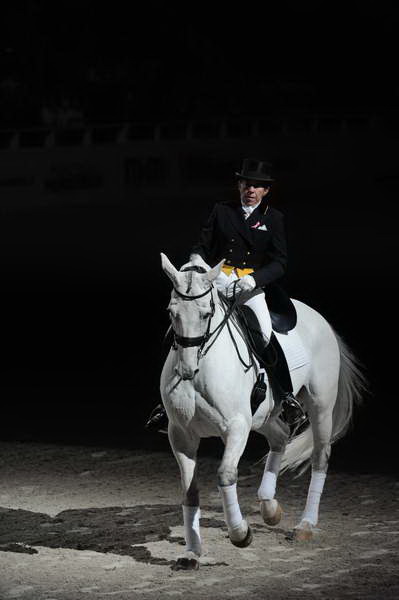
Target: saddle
[(271, 357), (282, 310), (283, 317)]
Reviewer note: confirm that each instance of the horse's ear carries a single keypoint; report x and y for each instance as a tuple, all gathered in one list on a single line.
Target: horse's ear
[(213, 273), (169, 269)]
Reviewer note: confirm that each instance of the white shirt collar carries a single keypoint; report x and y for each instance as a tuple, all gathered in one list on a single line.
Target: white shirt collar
[(249, 209)]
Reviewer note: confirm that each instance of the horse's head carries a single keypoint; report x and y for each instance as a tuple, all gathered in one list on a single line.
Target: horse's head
[(191, 308)]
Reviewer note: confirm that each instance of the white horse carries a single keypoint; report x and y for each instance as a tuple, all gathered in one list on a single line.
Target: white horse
[(206, 392)]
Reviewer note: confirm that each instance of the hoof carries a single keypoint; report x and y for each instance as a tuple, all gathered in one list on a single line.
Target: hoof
[(186, 563), (271, 512), (245, 542), (303, 532)]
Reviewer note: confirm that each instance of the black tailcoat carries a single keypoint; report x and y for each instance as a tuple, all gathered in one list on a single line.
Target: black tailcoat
[(257, 243)]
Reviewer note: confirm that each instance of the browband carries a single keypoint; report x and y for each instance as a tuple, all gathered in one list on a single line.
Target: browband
[(186, 297)]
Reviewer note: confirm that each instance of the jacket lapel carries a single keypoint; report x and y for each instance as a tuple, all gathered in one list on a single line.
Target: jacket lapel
[(254, 218), (259, 218)]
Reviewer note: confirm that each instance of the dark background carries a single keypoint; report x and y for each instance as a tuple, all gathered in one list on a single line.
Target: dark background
[(83, 296)]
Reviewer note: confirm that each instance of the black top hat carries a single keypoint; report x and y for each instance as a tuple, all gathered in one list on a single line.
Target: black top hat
[(256, 170)]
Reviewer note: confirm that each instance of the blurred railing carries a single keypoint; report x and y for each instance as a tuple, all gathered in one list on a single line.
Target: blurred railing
[(190, 130)]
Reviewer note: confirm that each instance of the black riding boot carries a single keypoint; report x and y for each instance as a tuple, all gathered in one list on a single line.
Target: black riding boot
[(158, 420), (280, 380)]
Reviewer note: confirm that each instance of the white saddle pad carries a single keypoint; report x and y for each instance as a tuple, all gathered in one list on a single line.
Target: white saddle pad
[(294, 350)]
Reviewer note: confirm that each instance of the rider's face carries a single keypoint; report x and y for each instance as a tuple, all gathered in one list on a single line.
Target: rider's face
[(251, 192)]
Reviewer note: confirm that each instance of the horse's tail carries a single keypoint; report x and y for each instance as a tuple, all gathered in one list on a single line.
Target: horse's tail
[(352, 385)]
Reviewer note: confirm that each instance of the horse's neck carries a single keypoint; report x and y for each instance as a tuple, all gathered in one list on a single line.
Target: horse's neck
[(219, 313)]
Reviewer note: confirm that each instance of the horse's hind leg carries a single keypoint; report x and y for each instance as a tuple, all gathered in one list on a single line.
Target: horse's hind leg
[(320, 408), (276, 433), (185, 446), (235, 439)]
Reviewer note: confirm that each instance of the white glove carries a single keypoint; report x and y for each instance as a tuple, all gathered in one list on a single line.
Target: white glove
[(246, 284), (221, 282), (229, 290)]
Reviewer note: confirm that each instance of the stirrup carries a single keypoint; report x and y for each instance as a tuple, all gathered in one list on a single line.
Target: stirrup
[(292, 412), (297, 427)]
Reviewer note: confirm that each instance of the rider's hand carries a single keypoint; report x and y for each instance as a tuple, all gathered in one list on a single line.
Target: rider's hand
[(246, 284), (221, 282)]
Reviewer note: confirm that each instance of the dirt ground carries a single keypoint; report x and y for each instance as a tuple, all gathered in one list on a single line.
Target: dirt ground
[(90, 523)]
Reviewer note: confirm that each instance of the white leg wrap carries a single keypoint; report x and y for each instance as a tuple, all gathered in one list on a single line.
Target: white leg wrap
[(191, 517), (231, 508), (267, 488), (311, 512)]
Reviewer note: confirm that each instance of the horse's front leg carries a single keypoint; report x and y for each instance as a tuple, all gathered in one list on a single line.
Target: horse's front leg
[(235, 439), (185, 445)]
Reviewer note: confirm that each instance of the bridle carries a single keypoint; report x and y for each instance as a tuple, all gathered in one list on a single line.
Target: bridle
[(201, 340)]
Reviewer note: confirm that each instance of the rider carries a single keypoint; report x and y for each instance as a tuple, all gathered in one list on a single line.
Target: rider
[(250, 235)]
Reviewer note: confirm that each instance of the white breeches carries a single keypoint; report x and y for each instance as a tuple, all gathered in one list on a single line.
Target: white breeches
[(255, 300)]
